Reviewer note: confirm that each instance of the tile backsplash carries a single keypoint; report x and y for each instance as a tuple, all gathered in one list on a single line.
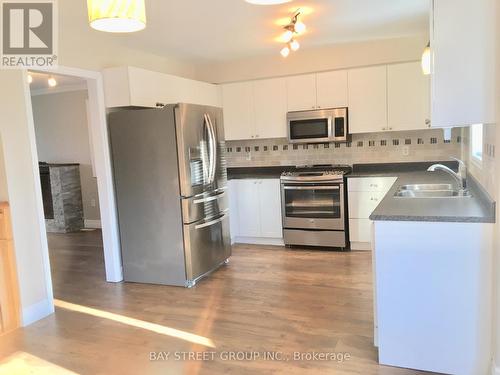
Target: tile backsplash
[(385, 147)]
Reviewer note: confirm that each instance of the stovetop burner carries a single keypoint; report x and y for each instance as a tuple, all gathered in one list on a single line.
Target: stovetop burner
[(317, 172)]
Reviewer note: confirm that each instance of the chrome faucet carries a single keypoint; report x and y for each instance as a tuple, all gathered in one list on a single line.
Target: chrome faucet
[(460, 177)]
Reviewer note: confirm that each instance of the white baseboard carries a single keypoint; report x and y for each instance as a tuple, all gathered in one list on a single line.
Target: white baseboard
[(366, 246), (92, 224), (260, 241), (37, 311)]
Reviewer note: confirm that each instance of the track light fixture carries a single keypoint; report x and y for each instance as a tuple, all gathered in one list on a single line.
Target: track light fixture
[(292, 30)]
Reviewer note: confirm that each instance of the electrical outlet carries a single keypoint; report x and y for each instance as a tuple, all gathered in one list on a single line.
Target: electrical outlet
[(406, 150), (92, 202)]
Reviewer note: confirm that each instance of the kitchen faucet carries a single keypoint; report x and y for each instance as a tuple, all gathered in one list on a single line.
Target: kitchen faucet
[(460, 177)]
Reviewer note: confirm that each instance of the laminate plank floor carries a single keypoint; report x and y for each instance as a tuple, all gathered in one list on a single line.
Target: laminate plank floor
[(267, 301)]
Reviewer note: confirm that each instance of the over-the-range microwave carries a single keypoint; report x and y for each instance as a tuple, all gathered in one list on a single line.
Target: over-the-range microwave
[(318, 126)]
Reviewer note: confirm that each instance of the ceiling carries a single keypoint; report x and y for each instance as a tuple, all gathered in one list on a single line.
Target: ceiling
[(231, 29), (221, 30), (40, 82)]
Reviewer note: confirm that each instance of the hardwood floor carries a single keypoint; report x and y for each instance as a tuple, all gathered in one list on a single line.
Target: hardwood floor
[(267, 299)]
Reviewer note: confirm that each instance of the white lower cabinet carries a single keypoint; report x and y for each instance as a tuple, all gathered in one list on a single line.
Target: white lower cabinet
[(255, 211), (364, 195)]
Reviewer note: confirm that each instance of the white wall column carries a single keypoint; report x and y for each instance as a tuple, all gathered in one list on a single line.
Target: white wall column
[(25, 197)]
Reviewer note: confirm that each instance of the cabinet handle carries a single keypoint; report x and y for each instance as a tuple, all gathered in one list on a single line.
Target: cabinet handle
[(256, 136), (373, 185), (390, 128)]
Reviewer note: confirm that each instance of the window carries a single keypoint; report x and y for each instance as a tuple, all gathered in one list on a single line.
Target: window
[(476, 144)]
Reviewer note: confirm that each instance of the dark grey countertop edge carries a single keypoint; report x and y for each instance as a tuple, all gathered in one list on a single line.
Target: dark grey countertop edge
[(393, 169), (437, 219)]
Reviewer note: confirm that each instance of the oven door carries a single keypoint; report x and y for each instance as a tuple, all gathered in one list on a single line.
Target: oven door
[(313, 206)]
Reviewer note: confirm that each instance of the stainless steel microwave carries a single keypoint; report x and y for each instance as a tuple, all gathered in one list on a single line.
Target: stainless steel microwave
[(318, 126)]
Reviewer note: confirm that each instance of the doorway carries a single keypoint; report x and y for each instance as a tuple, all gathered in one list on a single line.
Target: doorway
[(75, 168)]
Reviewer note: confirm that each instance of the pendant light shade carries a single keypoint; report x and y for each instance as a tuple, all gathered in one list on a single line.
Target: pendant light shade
[(267, 2), (426, 60), (117, 16)]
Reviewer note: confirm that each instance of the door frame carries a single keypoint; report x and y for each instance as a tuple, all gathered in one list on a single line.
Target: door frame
[(98, 132)]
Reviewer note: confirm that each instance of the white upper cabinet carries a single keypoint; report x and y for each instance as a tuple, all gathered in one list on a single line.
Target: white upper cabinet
[(301, 92), (368, 99), (129, 86), (331, 89), (408, 95), (237, 103), (270, 108), (463, 54)]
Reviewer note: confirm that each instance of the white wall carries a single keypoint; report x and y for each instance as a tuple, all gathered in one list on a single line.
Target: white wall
[(339, 56), (24, 193), (95, 50), (62, 136), (496, 246)]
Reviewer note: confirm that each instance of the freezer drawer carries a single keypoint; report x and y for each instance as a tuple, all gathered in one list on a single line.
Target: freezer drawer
[(207, 205), (207, 245)]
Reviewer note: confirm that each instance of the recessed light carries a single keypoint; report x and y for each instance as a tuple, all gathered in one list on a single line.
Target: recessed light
[(52, 82), (267, 2)]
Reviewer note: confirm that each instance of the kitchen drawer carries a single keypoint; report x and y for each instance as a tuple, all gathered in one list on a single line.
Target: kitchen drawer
[(370, 183), (360, 230), (362, 204)]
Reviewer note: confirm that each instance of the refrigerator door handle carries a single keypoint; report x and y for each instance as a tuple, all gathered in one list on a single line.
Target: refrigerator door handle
[(206, 151), (211, 222), (213, 149), (210, 198)]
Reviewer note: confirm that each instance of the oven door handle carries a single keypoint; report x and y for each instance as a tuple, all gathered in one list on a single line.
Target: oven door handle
[(336, 187)]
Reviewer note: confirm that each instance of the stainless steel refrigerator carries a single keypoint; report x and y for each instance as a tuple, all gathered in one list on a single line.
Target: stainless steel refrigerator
[(170, 182)]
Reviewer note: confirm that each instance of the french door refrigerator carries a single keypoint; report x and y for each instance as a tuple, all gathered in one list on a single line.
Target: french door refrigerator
[(170, 182)]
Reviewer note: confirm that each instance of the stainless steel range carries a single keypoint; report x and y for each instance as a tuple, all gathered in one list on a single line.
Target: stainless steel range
[(313, 206)]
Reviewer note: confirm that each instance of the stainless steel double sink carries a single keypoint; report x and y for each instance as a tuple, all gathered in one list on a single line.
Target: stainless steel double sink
[(431, 191)]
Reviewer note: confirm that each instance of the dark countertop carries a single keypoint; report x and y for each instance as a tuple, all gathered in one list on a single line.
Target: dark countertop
[(235, 173), (479, 208), (56, 165)]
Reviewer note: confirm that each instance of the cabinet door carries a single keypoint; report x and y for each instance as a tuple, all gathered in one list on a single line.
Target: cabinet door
[(408, 97), (248, 208), (362, 204), (270, 208), (368, 99), (237, 104), (360, 230), (463, 62), (232, 191), (331, 89), (270, 108), (301, 92)]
